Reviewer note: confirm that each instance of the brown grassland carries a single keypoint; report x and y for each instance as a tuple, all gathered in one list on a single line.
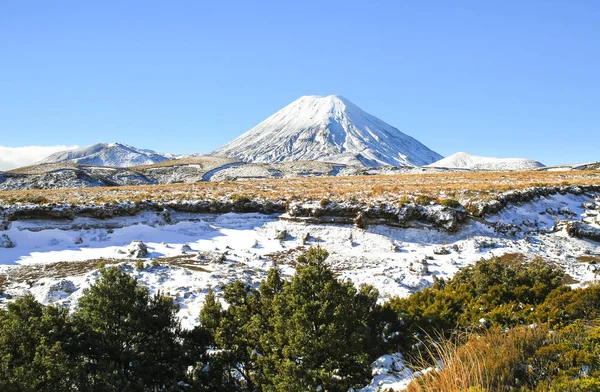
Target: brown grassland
[(459, 185)]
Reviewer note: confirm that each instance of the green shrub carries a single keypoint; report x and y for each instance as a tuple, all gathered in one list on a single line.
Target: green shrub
[(326, 331), (501, 291), (240, 199), (423, 200), (452, 203)]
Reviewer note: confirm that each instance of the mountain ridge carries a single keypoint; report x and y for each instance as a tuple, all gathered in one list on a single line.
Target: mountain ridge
[(463, 160), (108, 154)]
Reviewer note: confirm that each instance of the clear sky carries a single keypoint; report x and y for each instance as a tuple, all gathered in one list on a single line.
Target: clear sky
[(497, 78)]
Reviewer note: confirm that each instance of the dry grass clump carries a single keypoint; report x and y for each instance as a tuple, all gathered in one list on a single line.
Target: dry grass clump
[(462, 186), (57, 270), (63, 269), (485, 362), (591, 259)]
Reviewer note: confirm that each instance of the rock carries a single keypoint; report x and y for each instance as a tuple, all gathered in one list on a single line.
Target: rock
[(5, 242), (575, 190), (456, 248), (441, 250), (78, 241), (186, 248), (484, 243), (446, 218), (220, 259), (589, 205), (137, 249), (360, 221), (306, 238), (4, 225), (281, 235), (565, 211), (166, 215), (213, 257), (582, 230), (59, 290), (419, 269)]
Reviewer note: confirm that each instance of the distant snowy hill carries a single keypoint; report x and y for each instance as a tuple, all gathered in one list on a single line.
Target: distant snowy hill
[(462, 160), (108, 154), (330, 129)]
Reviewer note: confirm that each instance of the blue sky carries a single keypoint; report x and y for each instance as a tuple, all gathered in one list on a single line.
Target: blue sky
[(498, 78)]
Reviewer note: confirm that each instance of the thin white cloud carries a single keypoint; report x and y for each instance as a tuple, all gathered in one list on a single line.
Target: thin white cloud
[(13, 157)]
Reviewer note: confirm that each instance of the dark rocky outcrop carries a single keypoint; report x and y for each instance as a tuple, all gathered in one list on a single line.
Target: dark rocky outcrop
[(581, 230), (363, 215)]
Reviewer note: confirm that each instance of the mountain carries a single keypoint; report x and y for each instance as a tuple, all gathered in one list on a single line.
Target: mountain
[(330, 129), (462, 160), (108, 154)]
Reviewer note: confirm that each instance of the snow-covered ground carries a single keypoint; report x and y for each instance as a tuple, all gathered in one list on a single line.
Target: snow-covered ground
[(196, 251)]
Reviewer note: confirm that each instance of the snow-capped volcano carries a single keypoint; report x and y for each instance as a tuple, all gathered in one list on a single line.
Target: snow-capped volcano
[(329, 129), (462, 160), (108, 154)]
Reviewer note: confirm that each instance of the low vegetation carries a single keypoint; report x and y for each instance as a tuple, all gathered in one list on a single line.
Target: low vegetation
[(501, 325), (462, 186)]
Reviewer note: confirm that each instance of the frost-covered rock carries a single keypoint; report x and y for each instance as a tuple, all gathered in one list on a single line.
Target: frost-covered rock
[(5, 242), (185, 248), (78, 241), (589, 205), (441, 250), (211, 257), (281, 235), (137, 249), (360, 221), (389, 373), (57, 291), (419, 268), (565, 211), (446, 217), (484, 243), (506, 228), (582, 230)]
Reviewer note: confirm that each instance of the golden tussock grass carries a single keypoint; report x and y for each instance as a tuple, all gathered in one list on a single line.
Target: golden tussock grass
[(480, 362), (463, 186)]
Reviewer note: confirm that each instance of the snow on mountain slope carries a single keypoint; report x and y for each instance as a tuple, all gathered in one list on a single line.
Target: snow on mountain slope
[(108, 154), (462, 160), (330, 129)]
